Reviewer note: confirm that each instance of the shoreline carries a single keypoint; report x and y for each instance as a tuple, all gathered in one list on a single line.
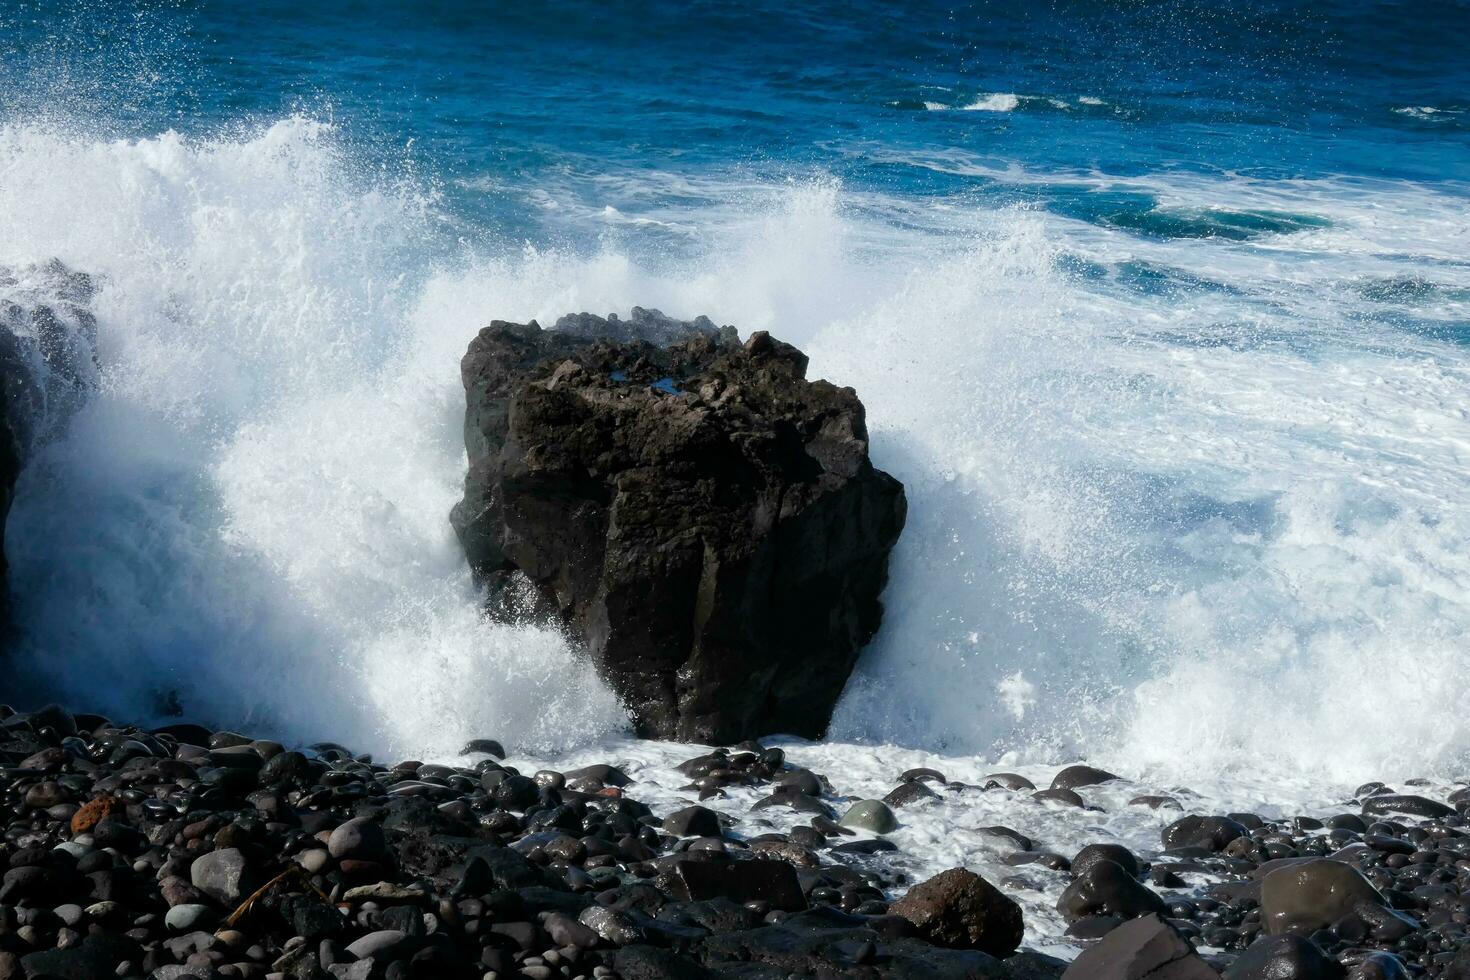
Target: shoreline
[(172, 806)]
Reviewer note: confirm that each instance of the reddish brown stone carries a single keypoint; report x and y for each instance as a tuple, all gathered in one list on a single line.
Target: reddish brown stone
[(959, 909)]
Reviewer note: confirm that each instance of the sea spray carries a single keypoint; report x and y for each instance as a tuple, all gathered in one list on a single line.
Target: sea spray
[(1158, 487)]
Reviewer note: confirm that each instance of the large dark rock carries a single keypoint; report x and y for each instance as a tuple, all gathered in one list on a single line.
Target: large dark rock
[(1312, 895), (827, 943), (699, 513), (1210, 833), (1148, 948), (959, 909), (772, 882), (1284, 957), (1106, 888), (1414, 806), (48, 340), (92, 958)]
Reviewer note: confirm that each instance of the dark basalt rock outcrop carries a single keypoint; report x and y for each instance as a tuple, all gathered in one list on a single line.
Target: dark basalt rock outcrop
[(694, 509), (48, 339), (9, 473)]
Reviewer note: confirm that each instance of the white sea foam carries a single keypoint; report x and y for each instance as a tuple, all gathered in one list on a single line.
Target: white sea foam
[(995, 102), (951, 832), (1177, 530), (1421, 111), (252, 510)]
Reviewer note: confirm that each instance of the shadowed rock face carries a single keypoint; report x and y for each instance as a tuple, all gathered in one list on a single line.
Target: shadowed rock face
[(48, 339), (9, 473), (695, 510)]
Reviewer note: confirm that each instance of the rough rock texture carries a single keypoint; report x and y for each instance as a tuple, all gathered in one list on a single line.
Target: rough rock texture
[(48, 339), (1144, 949), (9, 473), (699, 513), (961, 910), (124, 848), (222, 856)]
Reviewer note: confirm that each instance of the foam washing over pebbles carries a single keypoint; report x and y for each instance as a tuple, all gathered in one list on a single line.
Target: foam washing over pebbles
[(957, 830)]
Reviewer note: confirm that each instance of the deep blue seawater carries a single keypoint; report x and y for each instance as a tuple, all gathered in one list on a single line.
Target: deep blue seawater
[(1160, 309), (518, 97)]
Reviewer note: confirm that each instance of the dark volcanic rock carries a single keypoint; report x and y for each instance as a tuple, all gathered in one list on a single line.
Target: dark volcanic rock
[(693, 821), (1312, 894), (1211, 833), (703, 516), (1416, 806), (1075, 776), (1105, 888), (414, 871), (1144, 949), (1284, 957), (1093, 853), (824, 944), (961, 910), (772, 882), (91, 958), (48, 339)]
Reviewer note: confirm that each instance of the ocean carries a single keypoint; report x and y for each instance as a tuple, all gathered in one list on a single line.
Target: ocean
[(1160, 310)]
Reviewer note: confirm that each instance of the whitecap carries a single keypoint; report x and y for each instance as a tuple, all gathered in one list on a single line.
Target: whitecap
[(995, 102)]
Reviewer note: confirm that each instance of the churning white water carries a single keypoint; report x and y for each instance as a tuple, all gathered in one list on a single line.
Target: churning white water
[(1181, 505)]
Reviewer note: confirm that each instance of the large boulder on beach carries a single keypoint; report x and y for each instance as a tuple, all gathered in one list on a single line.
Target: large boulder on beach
[(1312, 895), (694, 509), (961, 910), (1148, 948)]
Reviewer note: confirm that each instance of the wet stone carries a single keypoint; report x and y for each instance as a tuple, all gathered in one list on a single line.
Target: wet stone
[(1105, 888), (1062, 796), (1073, 777), (1008, 780), (908, 794), (1302, 898), (870, 815), (959, 909), (693, 821), (771, 882)]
